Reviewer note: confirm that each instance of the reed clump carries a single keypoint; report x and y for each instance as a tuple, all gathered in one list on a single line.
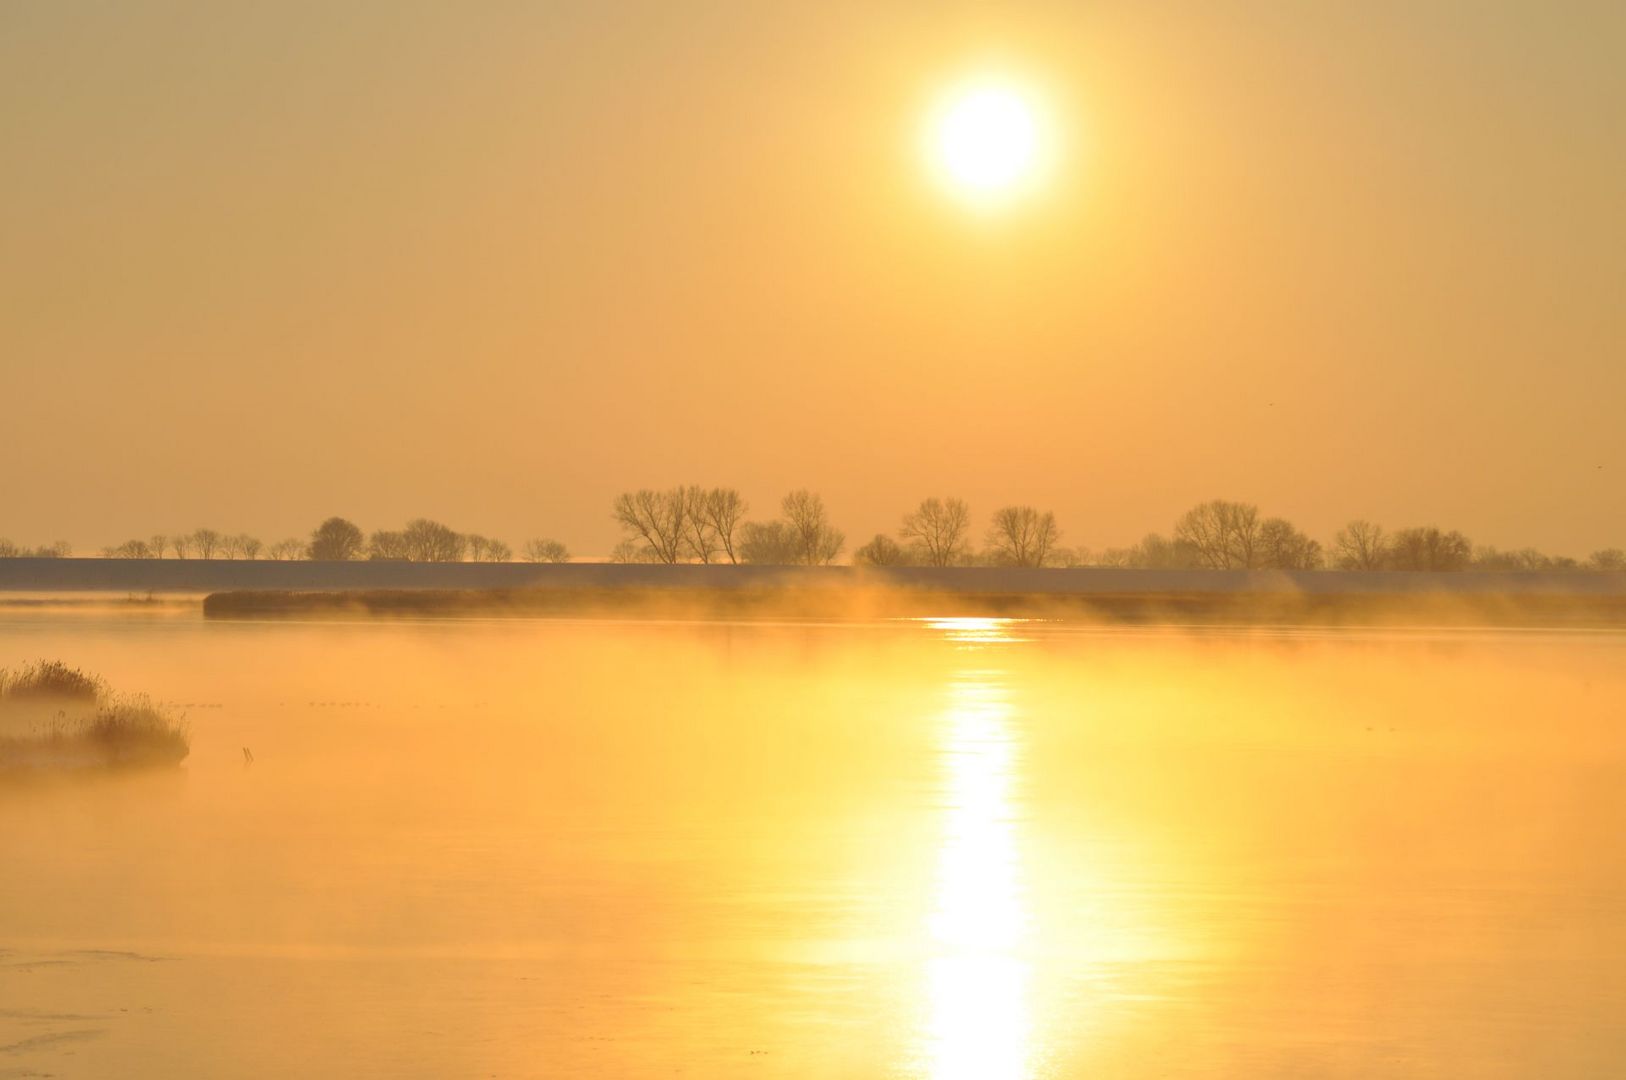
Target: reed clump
[(49, 680), (55, 717)]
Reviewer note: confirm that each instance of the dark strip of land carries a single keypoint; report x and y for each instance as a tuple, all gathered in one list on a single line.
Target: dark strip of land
[(1274, 607), (214, 575), (254, 589)]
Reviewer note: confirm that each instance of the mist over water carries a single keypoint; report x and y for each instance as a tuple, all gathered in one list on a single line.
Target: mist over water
[(937, 849)]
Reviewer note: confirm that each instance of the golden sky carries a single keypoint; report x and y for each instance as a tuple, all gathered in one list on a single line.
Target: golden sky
[(493, 263)]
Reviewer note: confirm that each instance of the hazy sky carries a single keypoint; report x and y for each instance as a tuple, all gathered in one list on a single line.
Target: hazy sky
[(493, 263)]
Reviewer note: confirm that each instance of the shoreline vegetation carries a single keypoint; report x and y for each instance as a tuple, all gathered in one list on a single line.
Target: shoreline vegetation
[(1250, 603), (710, 526), (54, 718)]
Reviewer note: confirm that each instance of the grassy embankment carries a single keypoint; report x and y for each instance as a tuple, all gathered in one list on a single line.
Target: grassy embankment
[(53, 717)]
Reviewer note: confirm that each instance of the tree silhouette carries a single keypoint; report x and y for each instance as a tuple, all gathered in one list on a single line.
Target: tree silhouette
[(1428, 548), (1022, 536), (335, 540), (817, 542), (938, 528)]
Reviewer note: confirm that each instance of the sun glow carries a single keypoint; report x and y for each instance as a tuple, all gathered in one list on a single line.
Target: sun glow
[(984, 141)]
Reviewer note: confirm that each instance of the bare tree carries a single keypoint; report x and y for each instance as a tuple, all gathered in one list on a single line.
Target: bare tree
[(1070, 557), (1361, 545), (1021, 536), (130, 549), (287, 550), (430, 541), (655, 520), (1607, 559), (485, 549), (335, 540), (769, 543), (422, 540), (1428, 548), (817, 542), (700, 539), (882, 550), (1223, 534), (938, 527), (1154, 552), (548, 551), (1282, 547), (157, 545), (723, 510), (388, 545), (8, 550), (633, 551), (181, 546), (244, 546), (207, 543)]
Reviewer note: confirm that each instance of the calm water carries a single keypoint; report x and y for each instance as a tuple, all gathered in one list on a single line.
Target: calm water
[(979, 850)]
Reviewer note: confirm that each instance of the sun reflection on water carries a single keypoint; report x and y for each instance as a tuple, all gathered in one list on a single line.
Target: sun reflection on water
[(977, 977), (972, 632)]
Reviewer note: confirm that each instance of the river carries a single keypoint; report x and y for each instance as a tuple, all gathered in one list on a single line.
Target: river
[(944, 849)]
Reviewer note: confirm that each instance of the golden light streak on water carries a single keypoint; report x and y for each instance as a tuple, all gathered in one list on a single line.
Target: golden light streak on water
[(977, 978)]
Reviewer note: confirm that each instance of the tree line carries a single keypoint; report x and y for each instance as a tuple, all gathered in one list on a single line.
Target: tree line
[(1221, 535), (59, 550), (421, 540), (336, 539), (706, 525), (695, 524)]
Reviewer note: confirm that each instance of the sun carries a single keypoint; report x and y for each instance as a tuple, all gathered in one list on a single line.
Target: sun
[(984, 141)]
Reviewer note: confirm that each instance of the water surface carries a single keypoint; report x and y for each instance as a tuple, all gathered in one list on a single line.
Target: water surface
[(956, 849)]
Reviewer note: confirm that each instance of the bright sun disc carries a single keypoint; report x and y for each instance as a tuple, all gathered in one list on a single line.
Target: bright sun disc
[(985, 141)]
